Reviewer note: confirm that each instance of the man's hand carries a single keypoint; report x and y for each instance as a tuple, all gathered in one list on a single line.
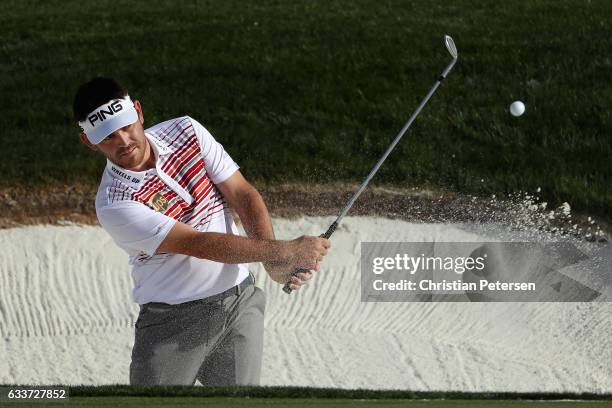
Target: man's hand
[(305, 252)]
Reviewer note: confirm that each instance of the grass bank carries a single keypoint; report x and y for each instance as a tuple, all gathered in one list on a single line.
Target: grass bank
[(313, 92)]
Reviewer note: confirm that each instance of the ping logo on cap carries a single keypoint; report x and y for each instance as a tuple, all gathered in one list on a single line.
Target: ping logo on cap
[(100, 115), (107, 118)]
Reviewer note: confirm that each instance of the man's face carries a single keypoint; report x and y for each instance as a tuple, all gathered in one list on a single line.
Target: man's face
[(127, 147)]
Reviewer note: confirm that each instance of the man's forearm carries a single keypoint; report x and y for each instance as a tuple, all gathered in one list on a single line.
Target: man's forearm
[(233, 249), (254, 215)]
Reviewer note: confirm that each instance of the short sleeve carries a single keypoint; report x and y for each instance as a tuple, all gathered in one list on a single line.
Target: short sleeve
[(134, 226), (218, 163)]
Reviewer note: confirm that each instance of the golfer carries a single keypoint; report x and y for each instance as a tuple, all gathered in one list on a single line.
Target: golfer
[(165, 198)]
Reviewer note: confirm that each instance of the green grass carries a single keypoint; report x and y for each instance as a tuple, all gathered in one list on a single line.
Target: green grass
[(304, 403), (185, 396), (314, 91)]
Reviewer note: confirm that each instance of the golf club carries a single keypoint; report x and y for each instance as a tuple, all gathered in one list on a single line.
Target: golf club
[(450, 46)]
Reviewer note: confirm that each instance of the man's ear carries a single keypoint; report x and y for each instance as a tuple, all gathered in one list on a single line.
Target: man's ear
[(86, 141), (138, 108)]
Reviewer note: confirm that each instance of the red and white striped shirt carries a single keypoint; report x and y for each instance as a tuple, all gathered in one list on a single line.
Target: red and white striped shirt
[(138, 209)]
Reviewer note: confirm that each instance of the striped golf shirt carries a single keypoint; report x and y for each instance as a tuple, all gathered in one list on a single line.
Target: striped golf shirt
[(138, 209)]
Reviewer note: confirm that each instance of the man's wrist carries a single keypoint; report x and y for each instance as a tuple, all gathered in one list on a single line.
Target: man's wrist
[(275, 251)]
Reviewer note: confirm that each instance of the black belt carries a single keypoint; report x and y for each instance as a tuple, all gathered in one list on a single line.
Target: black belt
[(233, 291), (236, 290)]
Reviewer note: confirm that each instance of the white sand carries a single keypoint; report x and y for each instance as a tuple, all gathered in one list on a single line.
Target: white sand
[(66, 316)]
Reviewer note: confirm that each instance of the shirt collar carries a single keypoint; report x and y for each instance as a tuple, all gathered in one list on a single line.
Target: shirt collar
[(159, 147), (133, 179)]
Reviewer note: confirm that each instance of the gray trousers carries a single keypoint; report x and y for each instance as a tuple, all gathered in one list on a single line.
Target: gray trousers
[(218, 343)]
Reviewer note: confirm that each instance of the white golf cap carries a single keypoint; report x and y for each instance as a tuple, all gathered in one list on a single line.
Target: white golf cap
[(107, 118)]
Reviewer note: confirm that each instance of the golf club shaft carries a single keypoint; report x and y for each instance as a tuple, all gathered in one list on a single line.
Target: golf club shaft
[(348, 206), (388, 152)]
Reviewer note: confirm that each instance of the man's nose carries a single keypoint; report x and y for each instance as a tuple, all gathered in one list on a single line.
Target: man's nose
[(122, 137)]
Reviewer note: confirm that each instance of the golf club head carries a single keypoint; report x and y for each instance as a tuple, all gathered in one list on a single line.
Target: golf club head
[(450, 46)]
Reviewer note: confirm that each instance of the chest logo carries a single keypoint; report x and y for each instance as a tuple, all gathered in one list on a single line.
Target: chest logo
[(159, 202)]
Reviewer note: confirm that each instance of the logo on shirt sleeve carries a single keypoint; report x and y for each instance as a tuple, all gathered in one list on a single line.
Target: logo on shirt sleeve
[(159, 202)]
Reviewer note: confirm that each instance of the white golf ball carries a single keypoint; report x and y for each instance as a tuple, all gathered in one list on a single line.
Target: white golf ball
[(517, 108)]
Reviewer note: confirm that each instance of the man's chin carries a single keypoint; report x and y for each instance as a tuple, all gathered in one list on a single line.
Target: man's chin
[(129, 161)]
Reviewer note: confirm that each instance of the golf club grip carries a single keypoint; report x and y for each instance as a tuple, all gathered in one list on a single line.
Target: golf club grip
[(326, 235)]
